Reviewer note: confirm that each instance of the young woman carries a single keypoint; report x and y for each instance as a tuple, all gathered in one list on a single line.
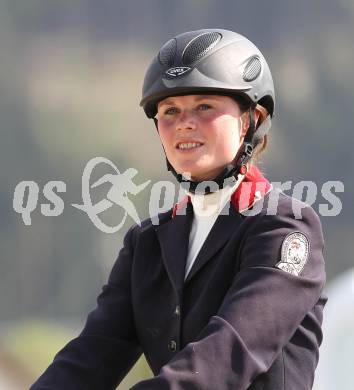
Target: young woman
[(226, 291)]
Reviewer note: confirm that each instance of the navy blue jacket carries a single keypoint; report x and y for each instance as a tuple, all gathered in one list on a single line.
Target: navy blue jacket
[(243, 319)]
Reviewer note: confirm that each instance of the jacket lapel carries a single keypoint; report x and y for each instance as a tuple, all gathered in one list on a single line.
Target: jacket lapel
[(225, 225), (173, 237), (253, 188)]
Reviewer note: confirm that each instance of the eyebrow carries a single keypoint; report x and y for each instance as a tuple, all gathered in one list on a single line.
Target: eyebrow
[(198, 98), (165, 102)]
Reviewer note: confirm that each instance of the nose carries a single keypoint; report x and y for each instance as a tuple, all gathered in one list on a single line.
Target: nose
[(187, 121)]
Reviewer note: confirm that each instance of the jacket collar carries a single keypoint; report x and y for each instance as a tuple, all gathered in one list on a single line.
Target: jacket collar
[(253, 188)]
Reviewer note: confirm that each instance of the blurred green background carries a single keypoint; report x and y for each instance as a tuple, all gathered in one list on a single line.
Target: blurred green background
[(70, 81)]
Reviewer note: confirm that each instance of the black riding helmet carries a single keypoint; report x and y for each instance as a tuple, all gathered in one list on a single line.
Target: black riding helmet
[(212, 61)]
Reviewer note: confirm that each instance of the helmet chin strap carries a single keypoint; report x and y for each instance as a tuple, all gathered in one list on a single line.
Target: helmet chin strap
[(230, 173)]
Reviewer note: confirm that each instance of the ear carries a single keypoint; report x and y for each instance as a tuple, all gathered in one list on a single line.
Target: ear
[(245, 122), (257, 114)]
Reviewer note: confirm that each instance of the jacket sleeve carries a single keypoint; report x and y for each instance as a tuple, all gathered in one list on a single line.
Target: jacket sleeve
[(107, 347), (260, 312)]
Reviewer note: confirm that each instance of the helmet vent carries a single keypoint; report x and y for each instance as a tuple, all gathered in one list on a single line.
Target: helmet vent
[(252, 69), (199, 46), (168, 52)]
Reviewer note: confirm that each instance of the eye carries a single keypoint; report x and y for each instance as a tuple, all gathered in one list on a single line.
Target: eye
[(170, 111), (204, 107)]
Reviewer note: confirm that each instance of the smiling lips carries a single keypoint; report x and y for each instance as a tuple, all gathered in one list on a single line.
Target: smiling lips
[(188, 145)]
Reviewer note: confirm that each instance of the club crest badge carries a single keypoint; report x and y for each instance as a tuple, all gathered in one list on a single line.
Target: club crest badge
[(294, 253)]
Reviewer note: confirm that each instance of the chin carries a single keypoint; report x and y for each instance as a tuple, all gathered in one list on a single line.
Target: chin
[(203, 176), (198, 173)]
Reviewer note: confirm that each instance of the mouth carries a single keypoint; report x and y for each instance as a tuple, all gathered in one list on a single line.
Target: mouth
[(188, 145)]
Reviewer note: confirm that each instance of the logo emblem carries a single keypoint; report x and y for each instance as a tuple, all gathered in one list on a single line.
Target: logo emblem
[(294, 253), (177, 71), (121, 185)]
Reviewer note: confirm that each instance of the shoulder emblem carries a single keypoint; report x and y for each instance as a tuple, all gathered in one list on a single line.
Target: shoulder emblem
[(294, 253)]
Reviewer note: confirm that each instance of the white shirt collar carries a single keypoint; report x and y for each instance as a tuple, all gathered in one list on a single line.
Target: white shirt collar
[(212, 204)]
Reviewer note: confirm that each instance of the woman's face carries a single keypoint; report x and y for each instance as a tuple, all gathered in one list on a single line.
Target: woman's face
[(201, 134)]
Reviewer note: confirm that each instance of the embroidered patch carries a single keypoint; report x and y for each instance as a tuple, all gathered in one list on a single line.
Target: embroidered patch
[(294, 253)]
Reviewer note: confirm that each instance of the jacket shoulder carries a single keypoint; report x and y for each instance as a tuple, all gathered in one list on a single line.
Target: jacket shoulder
[(280, 205)]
